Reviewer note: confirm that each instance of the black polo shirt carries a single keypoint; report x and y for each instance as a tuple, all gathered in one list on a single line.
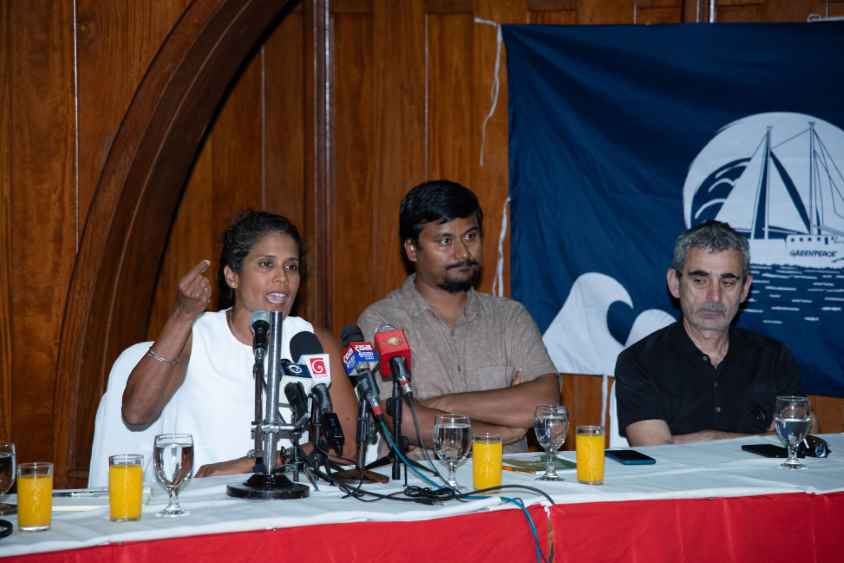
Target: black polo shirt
[(665, 376)]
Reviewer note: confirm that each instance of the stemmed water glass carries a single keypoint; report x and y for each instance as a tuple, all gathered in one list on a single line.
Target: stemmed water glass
[(173, 461), (452, 440), (792, 419), (550, 422), (7, 474)]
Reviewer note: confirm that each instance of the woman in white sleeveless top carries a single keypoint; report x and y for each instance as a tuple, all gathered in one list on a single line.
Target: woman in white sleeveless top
[(199, 370)]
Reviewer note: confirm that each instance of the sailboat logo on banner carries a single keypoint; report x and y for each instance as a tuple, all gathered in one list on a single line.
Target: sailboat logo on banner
[(777, 178)]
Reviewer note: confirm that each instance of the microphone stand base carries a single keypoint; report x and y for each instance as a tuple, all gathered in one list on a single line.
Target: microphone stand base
[(263, 486)]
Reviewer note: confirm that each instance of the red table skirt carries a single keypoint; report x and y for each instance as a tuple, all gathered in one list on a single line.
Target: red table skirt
[(770, 528)]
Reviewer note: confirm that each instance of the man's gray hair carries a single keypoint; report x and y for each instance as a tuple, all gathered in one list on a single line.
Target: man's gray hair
[(713, 236)]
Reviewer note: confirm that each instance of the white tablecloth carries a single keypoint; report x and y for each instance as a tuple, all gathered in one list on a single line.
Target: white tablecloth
[(703, 470)]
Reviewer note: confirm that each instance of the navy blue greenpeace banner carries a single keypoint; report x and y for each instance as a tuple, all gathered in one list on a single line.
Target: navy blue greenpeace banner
[(621, 137)]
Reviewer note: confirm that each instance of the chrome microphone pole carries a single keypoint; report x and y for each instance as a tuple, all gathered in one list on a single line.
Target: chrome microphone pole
[(271, 423), (269, 480)]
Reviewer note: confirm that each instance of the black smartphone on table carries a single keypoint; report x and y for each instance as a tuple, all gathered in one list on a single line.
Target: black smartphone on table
[(766, 450), (630, 457)]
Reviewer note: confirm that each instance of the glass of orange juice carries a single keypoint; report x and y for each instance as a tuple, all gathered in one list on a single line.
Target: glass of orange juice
[(486, 461), (125, 486), (589, 443), (35, 496)]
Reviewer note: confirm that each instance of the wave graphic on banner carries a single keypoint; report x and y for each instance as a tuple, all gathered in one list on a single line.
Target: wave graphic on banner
[(592, 348)]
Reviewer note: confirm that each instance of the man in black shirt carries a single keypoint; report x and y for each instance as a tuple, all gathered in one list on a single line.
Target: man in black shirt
[(701, 378)]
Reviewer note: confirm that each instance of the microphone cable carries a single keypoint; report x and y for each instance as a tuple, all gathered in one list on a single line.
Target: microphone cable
[(473, 495), (434, 494), (425, 454)]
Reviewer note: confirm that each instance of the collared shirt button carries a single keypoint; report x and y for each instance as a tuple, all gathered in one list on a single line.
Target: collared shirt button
[(715, 383), (705, 358), (717, 410)]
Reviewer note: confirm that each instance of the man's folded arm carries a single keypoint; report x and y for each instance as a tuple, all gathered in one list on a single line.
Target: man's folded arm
[(427, 415), (655, 432), (510, 406)]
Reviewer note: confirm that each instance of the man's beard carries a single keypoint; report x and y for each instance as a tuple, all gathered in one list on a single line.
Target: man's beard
[(462, 286)]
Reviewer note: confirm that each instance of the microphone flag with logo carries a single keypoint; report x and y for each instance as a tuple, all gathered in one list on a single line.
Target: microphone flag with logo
[(394, 356)]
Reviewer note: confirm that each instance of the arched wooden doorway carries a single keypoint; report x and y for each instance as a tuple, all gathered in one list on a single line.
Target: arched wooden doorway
[(136, 201)]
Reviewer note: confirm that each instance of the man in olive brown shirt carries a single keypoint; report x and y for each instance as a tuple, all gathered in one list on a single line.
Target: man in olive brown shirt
[(473, 354)]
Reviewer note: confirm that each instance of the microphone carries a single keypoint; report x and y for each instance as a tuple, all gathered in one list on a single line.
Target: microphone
[(260, 324), (394, 353), (307, 350), (359, 359), (368, 391), (297, 399)]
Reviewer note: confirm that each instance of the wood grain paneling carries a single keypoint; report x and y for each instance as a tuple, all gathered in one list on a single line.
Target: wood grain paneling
[(318, 222), (354, 164), (452, 140), (448, 6), (6, 341), (551, 5), (553, 17), (658, 14), (43, 208), (582, 395), (351, 7), (399, 132), (734, 14), (792, 10), (115, 39), (604, 11)]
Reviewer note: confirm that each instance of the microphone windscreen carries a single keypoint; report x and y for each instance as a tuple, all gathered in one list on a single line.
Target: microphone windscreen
[(351, 333), (296, 398), (304, 343), (260, 316)]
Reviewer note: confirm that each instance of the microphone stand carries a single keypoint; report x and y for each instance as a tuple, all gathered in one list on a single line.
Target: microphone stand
[(396, 401), (258, 374), (365, 427), (268, 479)]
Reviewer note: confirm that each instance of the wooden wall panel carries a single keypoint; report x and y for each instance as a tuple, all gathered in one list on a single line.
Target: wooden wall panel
[(452, 147), (657, 11), (43, 209), (604, 11), (356, 201), (401, 158), (6, 341), (792, 10), (554, 17), (118, 40)]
